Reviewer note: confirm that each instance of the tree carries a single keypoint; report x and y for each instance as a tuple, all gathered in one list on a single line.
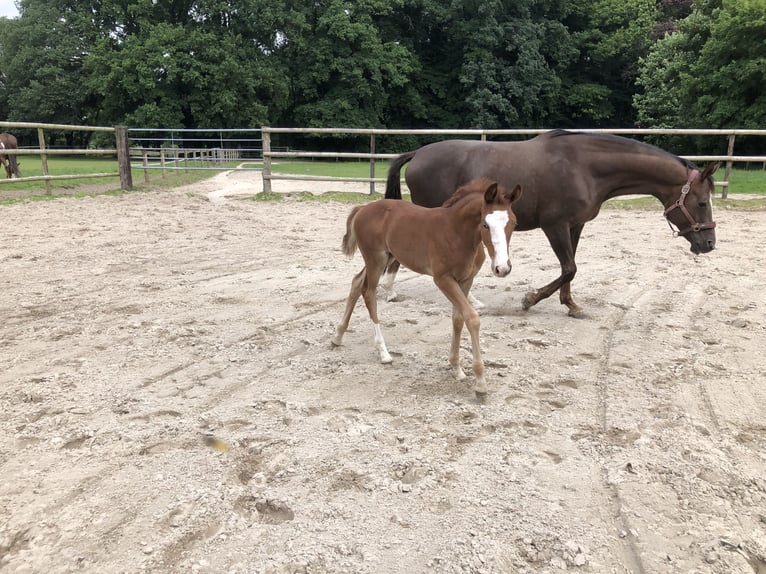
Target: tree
[(43, 54), (340, 70), (513, 54), (612, 35), (727, 83), (169, 75)]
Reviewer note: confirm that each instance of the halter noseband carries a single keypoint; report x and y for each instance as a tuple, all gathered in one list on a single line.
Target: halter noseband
[(679, 203)]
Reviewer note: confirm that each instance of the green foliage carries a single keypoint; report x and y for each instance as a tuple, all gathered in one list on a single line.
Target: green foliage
[(385, 63), (729, 78), (611, 35)]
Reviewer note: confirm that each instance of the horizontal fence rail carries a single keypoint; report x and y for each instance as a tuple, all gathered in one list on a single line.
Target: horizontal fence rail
[(268, 153), (119, 151)]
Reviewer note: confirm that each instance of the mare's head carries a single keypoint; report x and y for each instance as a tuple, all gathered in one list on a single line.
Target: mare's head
[(692, 211), (497, 223)]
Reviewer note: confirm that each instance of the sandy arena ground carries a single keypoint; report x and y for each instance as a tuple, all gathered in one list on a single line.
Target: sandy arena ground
[(171, 403)]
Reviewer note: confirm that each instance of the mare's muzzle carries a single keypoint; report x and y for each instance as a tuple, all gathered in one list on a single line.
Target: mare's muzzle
[(699, 234)]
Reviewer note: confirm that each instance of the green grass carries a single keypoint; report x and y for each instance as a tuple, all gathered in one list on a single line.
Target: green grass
[(31, 166), (330, 168), (742, 181), (748, 181)]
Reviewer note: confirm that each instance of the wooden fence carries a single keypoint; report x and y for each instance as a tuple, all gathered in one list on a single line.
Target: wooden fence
[(120, 151), (179, 149), (186, 157), (268, 175)]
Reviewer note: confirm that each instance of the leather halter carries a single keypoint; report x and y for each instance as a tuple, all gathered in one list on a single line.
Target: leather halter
[(694, 226)]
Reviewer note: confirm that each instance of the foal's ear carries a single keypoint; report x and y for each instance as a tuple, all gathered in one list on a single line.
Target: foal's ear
[(515, 194), (710, 170), (491, 192)]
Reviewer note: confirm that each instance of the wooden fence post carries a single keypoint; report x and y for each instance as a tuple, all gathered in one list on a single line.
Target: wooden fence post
[(372, 164), (44, 159), (123, 157), (727, 173), (266, 160), (146, 166)]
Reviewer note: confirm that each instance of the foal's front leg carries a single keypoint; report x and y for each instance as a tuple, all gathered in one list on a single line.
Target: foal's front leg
[(463, 312)]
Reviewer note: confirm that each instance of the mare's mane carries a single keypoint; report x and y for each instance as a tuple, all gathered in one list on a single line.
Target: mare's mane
[(624, 143), (475, 186)]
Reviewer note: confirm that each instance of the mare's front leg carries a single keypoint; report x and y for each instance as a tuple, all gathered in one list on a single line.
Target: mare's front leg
[(463, 312), (388, 282), (478, 261), (561, 240)]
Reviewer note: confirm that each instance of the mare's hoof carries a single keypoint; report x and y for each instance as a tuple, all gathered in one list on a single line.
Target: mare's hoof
[(528, 301), (577, 313)]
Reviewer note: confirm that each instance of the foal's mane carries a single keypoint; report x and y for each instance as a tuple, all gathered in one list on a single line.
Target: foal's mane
[(475, 186)]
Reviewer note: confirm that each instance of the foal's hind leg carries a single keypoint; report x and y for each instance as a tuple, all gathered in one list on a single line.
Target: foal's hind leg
[(375, 267), (357, 286)]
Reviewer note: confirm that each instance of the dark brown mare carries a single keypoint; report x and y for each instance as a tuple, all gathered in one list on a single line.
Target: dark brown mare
[(9, 161), (446, 242), (566, 177)]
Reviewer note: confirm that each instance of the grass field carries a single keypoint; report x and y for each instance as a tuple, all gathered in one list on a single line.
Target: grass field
[(742, 181), (31, 166), (750, 181)]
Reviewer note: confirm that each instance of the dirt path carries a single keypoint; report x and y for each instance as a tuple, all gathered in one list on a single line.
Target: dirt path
[(170, 401)]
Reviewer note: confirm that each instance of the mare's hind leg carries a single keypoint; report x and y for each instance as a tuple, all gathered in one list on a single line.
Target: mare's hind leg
[(565, 295), (560, 239)]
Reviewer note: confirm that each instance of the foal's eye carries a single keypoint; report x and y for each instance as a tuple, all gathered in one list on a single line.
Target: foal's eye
[(485, 225)]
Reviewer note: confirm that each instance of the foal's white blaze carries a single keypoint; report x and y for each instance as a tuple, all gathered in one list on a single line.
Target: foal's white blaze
[(497, 220)]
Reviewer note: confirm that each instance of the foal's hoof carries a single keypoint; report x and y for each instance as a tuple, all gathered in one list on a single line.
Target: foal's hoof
[(481, 396)]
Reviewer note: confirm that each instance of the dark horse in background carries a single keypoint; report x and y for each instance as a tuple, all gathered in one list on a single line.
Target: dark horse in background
[(10, 162), (566, 177)]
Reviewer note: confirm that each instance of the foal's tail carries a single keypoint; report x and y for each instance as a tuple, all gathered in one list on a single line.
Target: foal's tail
[(348, 244), (393, 182)]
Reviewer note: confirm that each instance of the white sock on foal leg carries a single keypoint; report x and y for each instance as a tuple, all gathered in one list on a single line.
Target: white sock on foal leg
[(380, 344)]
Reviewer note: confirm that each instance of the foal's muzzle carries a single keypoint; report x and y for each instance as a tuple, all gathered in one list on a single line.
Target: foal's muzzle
[(502, 270)]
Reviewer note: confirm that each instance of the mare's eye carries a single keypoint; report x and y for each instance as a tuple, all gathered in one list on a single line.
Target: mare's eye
[(702, 204), (485, 225)]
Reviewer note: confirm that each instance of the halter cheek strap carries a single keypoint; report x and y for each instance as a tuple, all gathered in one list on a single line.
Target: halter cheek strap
[(694, 226)]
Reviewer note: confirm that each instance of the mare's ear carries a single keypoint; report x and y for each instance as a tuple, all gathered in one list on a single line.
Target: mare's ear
[(710, 170), (515, 194), (491, 192)]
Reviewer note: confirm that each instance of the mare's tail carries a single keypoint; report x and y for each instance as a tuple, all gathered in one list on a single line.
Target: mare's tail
[(393, 182), (348, 244)]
